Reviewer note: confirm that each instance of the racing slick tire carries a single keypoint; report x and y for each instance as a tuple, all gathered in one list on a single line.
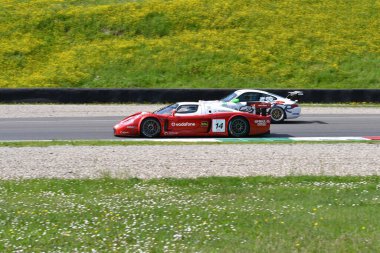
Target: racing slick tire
[(238, 127), (150, 128), (277, 115)]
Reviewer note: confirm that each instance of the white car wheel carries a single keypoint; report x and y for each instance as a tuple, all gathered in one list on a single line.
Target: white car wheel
[(277, 115)]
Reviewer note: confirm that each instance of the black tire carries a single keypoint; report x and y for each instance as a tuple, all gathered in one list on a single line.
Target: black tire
[(277, 115), (150, 128), (238, 127)]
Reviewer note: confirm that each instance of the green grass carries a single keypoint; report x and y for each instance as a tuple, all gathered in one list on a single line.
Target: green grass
[(229, 141), (125, 142), (190, 43), (254, 214)]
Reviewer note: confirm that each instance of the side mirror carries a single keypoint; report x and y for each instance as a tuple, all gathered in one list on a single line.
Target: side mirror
[(235, 100), (173, 112)]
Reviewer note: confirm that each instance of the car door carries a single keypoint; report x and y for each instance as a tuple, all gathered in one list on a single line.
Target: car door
[(249, 98), (188, 120)]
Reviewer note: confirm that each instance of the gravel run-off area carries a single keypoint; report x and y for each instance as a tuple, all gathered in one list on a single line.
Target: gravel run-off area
[(189, 161), (180, 161)]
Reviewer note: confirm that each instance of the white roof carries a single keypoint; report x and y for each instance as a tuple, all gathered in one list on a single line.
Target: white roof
[(239, 92), (187, 103)]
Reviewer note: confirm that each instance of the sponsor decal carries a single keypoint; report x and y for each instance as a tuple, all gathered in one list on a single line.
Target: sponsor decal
[(204, 124), (183, 124), (170, 133), (260, 122), (131, 126)]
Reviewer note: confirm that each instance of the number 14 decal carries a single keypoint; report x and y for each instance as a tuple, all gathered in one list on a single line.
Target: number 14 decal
[(218, 125)]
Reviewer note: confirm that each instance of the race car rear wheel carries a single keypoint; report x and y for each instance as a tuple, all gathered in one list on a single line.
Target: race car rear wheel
[(277, 115), (150, 128), (238, 127)]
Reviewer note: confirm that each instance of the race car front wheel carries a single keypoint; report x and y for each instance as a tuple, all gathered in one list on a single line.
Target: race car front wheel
[(150, 128), (277, 115), (238, 127)]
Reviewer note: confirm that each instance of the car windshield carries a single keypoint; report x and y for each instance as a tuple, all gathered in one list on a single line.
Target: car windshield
[(167, 109), (229, 97)]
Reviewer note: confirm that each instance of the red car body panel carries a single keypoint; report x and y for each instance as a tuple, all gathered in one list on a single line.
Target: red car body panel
[(213, 124)]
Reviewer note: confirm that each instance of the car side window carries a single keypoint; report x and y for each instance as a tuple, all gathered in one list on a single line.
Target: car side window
[(249, 96), (187, 109), (264, 97)]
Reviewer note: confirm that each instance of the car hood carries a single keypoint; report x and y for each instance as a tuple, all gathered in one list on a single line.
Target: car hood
[(135, 116)]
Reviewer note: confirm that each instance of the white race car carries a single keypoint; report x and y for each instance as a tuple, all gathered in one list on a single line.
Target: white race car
[(281, 109)]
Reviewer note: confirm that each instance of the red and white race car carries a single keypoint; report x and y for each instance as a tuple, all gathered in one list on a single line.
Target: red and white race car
[(281, 108), (197, 119)]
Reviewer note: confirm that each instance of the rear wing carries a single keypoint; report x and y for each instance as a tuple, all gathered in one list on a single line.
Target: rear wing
[(294, 95)]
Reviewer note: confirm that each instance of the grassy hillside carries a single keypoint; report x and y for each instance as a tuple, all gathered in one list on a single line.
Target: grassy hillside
[(190, 43)]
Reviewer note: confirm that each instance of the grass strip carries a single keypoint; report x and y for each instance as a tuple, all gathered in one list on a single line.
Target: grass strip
[(94, 143), (216, 214), (149, 143)]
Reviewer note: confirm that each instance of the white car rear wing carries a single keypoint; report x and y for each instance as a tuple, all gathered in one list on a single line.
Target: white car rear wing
[(293, 95)]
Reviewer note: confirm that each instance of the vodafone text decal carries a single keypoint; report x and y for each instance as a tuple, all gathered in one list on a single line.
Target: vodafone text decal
[(183, 124)]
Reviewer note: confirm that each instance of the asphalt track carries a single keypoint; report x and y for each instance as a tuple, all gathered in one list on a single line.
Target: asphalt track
[(91, 128)]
